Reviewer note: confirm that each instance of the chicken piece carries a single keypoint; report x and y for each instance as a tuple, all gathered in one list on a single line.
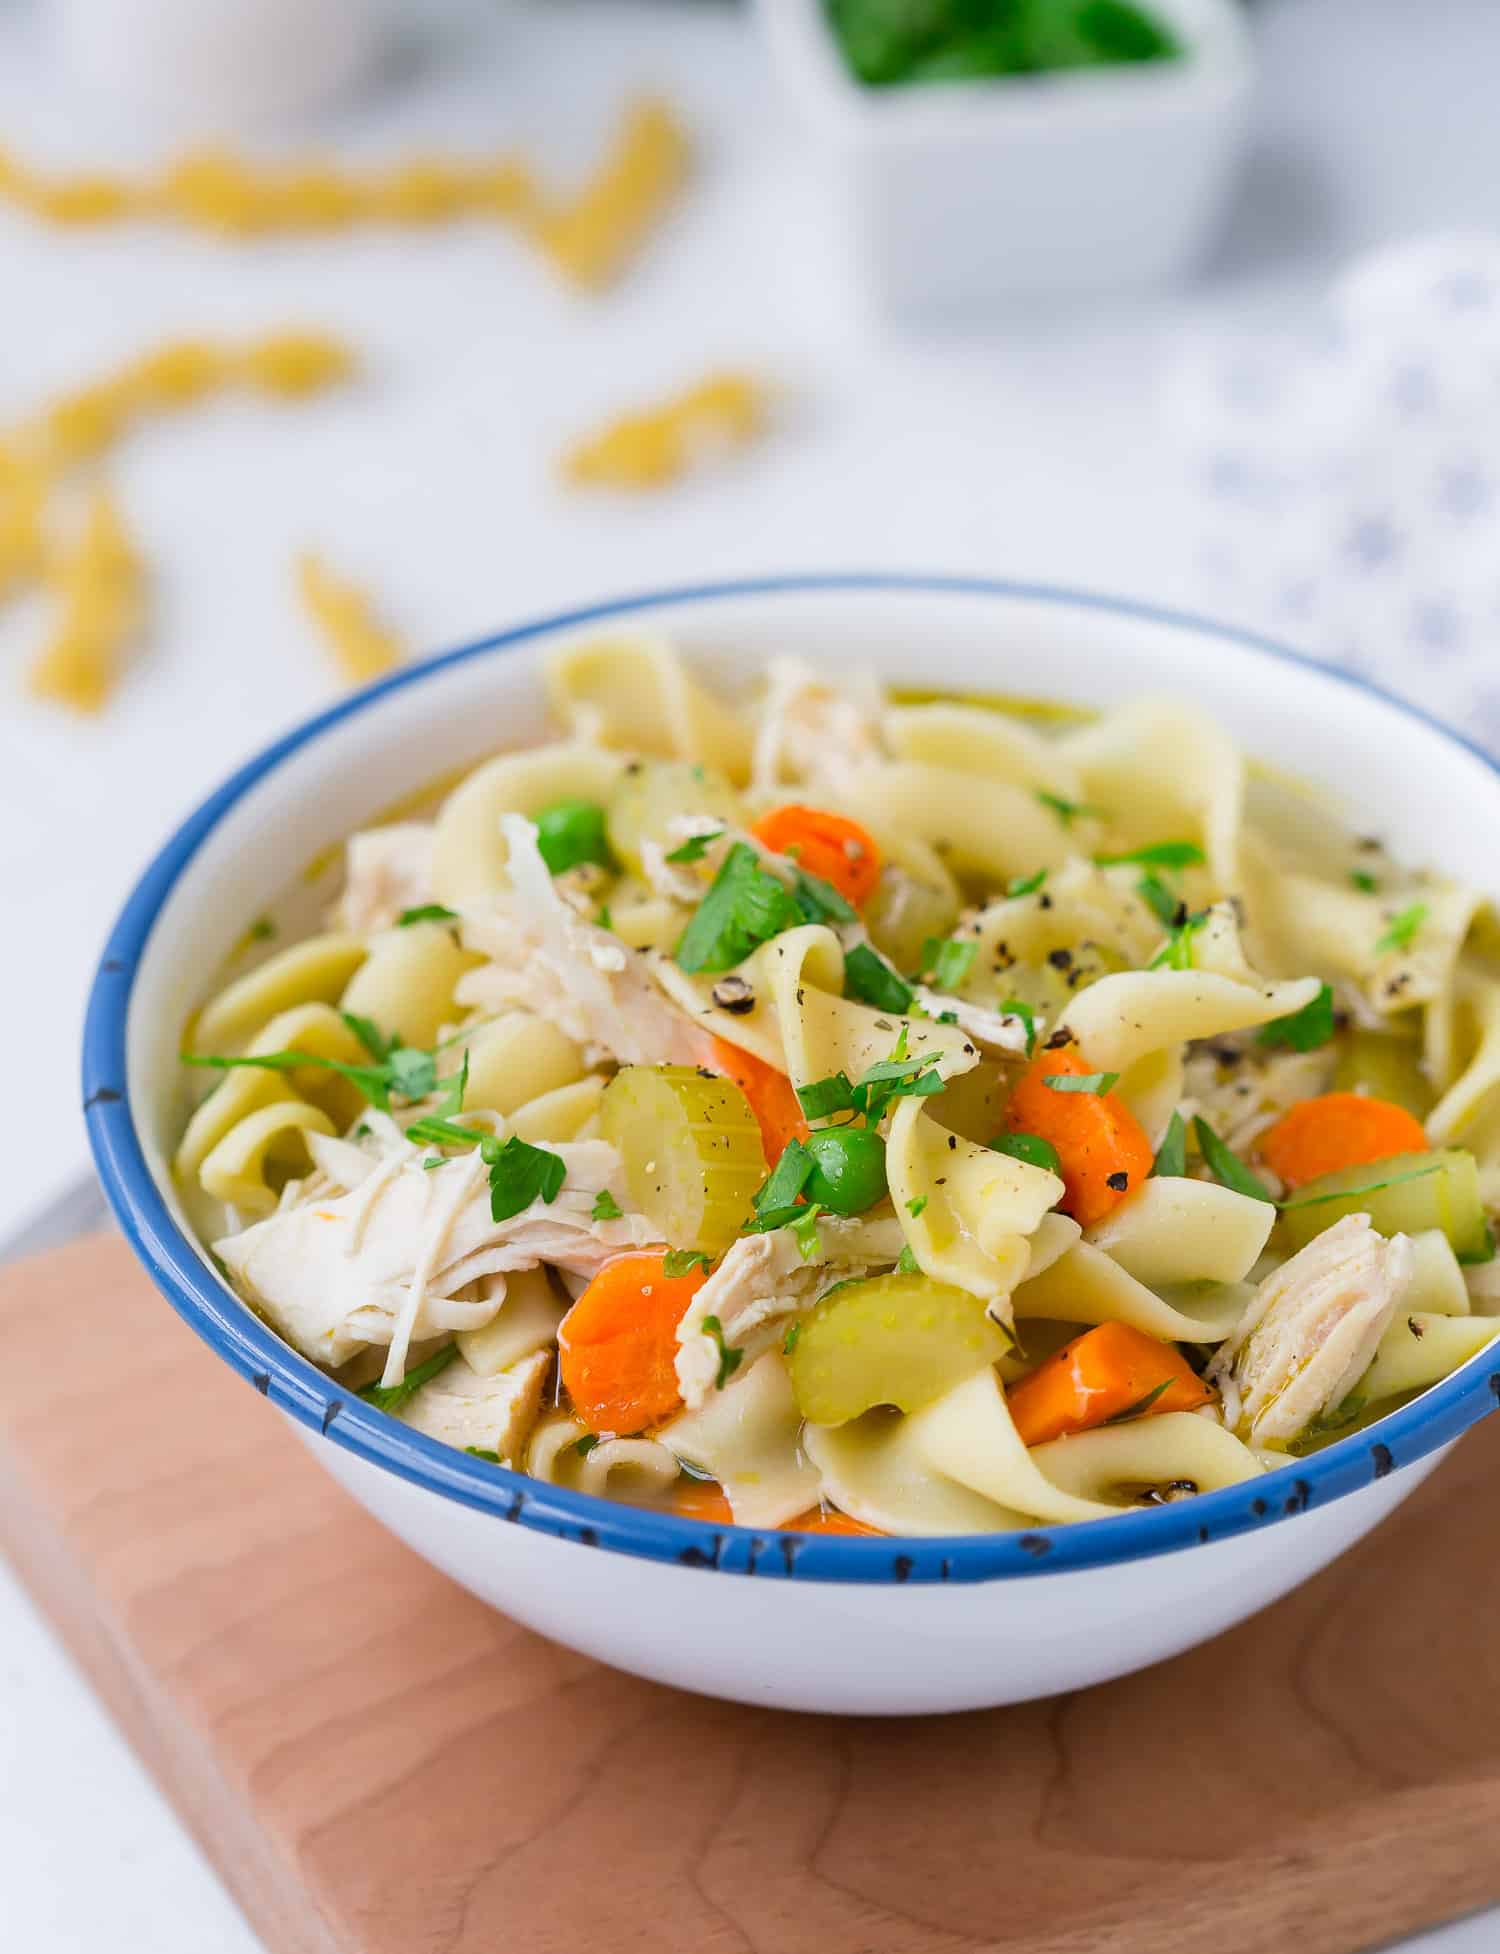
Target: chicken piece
[(386, 872), (998, 1031), (543, 956), (493, 1414), (811, 733), (1311, 1330), (765, 1278), (335, 1273)]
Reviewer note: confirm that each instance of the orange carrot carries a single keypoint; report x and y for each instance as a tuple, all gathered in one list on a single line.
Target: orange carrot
[(1340, 1129), (1098, 1376), (828, 845), (617, 1345), (772, 1099), (1100, 1145), (702, 1499), (827, 1520)]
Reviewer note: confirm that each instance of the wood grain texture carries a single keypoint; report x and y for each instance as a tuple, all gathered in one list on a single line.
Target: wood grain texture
[(380, 1765)]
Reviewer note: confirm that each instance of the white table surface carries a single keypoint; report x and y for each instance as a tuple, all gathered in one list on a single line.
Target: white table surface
[(1033, 450)]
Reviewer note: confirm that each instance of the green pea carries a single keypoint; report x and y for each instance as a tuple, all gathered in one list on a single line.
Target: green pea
[(570, 832), (848, 1173), (1031, 1148)]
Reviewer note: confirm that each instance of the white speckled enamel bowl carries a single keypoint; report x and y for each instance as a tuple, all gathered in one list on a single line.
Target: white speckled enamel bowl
[(800, 1622)]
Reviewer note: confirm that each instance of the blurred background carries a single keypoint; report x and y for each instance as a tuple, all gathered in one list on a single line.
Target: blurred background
[(337, 332)]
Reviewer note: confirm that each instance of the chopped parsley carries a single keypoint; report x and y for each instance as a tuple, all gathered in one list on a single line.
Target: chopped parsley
[(821, 1097), (1225, 1164), (1171, 1155), (745, 906), (606, 1207), (789, 1341), (946, 961), (1066, 811), (262, 930), (870, 979), (1357, 1193), (1159, 899), (901, 1076), (520, 1174), (1015, 1007), (400, 1071), (1401, 931), (1177, 952), (391, 1397), (1096, 1083), (604, 919), (1304, 1030), (483, 1452), (429, 912), (695, 847), (804, 1226), (730, 1358), (819, 902), (915, 1206), (1030, 1147), (1157, 854), (1363, 881), (907, 1263), (1025, 885), (583, 1446), (682, 1262), (786, 1179)]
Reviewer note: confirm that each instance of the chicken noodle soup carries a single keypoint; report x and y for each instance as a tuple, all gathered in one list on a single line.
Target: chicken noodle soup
[(824, 1111)]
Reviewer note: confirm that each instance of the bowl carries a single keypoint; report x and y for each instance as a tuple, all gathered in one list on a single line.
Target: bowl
[(802, 1622), (964, 196)]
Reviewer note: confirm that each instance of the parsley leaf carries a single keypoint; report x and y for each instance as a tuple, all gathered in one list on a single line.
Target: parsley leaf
[(745, 906), (606, 1207), (870, 979), (1370, 1187), (907, 1263), (1225, 1164), (730, 1358), (370, 1035), (1363, 880), (583, 1446), (804, 1226), (1026, 885), (789, 1341), (434, 1132), (682, 1262), (695, 847), (786, 1180), (1400, 932), (1015, 1007), (1030, 1147), (820, 1097), (1177, 952), (819, 902), (946, 961), (896, 1078), (1171, 1155), (1304, 1030), (915, 1206), (1096, 1083), (262, 930), (429, 912), (391, 1397), (1066, 811), (483, 1452), (1141, 1405), (1157, 854), (519, 1173), (1159, 899)]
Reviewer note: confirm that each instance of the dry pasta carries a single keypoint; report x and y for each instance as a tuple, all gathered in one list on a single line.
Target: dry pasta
[(100, 600), (361, 646), (651, 448)]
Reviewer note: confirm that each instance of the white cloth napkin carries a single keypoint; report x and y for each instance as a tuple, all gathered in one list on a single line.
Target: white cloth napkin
[(1346, 477)]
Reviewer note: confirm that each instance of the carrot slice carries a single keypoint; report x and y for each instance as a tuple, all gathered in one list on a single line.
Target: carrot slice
[(702, 1499), (1339, 1129), (827, 1520), (1106, 1372), (617, 1345), (1100, 1145), (827, 845), (772, 1099)]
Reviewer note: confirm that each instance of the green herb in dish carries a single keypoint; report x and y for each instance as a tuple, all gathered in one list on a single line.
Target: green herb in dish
[(894, 41)]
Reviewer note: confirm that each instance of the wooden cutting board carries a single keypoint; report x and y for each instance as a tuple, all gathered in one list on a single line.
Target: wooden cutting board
[(379, 1765)]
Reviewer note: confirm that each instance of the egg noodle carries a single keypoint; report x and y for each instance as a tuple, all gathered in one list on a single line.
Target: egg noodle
[(835, 1110)]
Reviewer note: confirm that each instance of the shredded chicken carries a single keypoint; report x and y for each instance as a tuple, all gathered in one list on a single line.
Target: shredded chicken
[(493, 1414), (1310, 1331), (337, 1272), (1241, 1087), (765, 1278), (548, 960), (998, 1031), (812, 733), (386, 871)]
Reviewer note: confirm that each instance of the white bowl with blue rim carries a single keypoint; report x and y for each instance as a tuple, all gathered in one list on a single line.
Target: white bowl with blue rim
[(807, 1622)]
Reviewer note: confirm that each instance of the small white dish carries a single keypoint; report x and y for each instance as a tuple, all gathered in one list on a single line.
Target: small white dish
[(795, 1621), (961, 196)]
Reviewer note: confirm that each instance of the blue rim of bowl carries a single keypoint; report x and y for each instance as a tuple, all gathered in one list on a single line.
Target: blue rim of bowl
[(298, 1387)]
